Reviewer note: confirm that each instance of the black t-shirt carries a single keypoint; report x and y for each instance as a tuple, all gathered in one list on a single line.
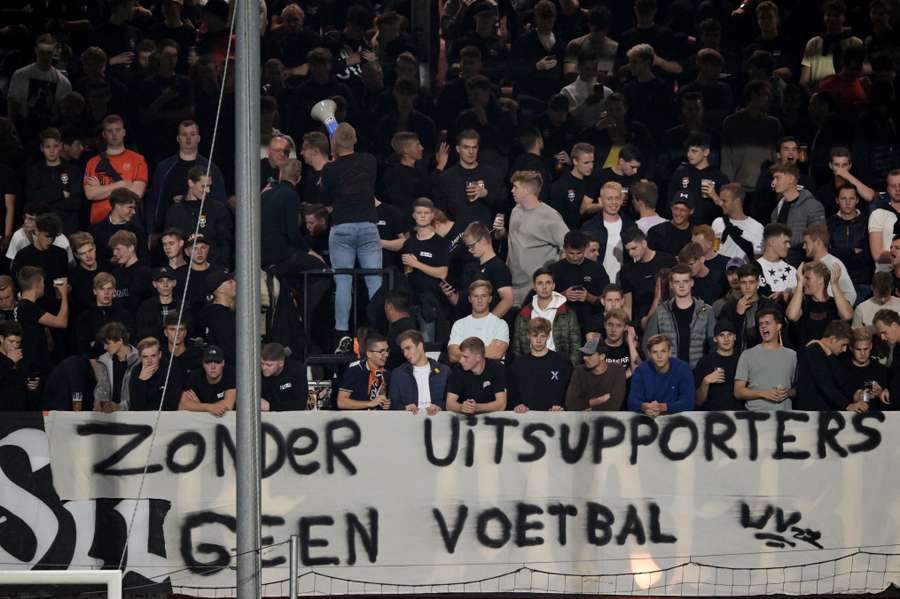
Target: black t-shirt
[(566, 195), (709, 288), (720, 395), (494, 270), (390, 225), (35, 352), (456, 249), (311, 187), (589, 274), (639, 279), (348, 184), (432, 252), (53, 261), (8, 185), (816, 316), (540, 382), (219, 326), (683, 322), (855, 377), (451, 194), (480, 387), (103, 232), (288, 390), (666, 237), (210, 392), (133, 286), (620, 355)]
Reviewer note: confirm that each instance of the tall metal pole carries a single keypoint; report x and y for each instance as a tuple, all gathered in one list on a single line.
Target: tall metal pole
[(292, 569), (248, 307)]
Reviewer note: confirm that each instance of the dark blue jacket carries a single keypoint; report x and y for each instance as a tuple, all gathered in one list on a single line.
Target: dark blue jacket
[(403, 390), (595, 225), (155, 205)]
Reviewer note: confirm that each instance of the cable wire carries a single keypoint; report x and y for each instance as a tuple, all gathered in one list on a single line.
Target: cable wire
[(187, 280)]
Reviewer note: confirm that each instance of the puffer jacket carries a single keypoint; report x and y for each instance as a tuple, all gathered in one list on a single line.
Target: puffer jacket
[(805, 211), (104, 372), (703, 325), (565, 332)]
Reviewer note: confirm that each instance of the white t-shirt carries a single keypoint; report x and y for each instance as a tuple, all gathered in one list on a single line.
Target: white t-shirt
[(487, 328), (648, 222), (421, 373), (845, 283), (751, 230), (865, 312), (882, 221), (612, 258), (20, 240), (779, 276)]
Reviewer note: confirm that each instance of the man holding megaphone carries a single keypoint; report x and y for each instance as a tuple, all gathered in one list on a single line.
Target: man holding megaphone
[(348, 185)]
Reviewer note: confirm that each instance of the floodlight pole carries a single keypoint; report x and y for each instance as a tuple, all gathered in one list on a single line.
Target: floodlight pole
[(247, 252)]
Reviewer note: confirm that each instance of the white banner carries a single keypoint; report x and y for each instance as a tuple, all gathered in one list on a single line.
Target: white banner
[(702, 503)]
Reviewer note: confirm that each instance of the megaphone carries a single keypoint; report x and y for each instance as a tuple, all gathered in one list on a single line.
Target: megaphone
[(324, 112)]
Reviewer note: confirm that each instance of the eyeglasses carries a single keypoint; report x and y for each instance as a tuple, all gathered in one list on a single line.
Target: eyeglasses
[(380, 351)]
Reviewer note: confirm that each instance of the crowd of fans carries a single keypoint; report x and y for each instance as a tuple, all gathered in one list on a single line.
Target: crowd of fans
[(646, 205)]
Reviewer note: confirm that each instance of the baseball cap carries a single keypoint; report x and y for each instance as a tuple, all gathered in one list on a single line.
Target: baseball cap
[(593, 346), (215, 279), (213, 353), (164, 272), (199, 238), (735, 262), (682, 199), (723, 326)]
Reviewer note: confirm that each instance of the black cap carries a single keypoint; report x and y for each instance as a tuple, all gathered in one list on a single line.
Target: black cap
[(682, 198), (199, 238), (215, 279), (164, 272), (213, 353), (725, 325)]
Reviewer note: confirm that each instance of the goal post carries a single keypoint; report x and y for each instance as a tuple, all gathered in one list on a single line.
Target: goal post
[(111, 578)]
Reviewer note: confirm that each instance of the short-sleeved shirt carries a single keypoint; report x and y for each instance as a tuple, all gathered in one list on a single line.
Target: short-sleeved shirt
[(883, 221), (35, 352), (130, 165), (480, 387), (431, 252), (763, 368), (494, 270), (777, 276), (720, 396), (487, 328), (358, 381), (816, 316), (210, 392), (639, 279), (751, 230)]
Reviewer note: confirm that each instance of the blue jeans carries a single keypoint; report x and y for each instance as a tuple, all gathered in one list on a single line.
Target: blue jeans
[(347, 243)]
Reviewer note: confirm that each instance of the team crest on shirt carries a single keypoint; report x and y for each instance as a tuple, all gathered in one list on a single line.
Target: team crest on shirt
[(685, 182), (285, 386), (126, 166), (571, 195), (485, 384), (426, 254), (64, 178), (202, 221)]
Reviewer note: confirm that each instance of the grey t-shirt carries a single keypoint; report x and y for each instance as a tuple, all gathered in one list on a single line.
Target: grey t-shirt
[(766, 369)]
